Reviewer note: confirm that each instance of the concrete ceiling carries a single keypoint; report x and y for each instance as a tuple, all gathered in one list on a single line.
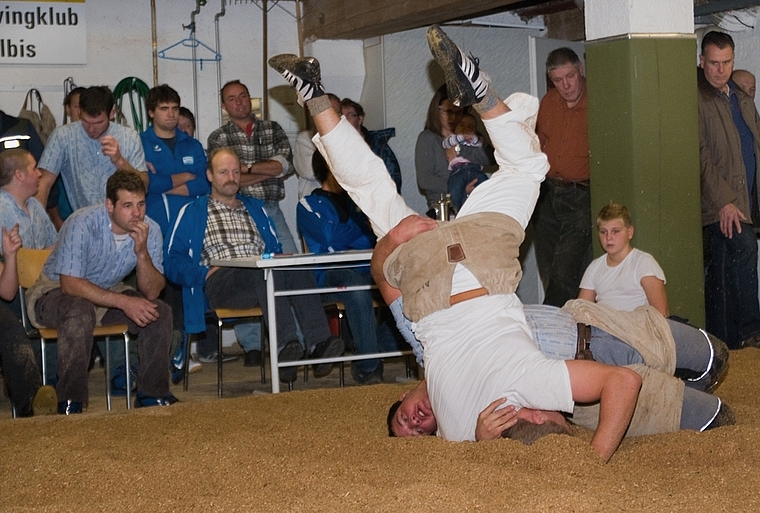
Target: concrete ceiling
[(363, 19)]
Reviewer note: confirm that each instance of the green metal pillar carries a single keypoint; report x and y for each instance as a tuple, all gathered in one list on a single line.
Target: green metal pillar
[(644, 145)]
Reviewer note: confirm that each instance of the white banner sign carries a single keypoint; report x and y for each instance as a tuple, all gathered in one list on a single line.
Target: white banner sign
[(34, 32)]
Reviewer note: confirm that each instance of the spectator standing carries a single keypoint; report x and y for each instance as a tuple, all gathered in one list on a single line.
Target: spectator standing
[(562, 219), (86, 153), (729, 140), (264, 152)]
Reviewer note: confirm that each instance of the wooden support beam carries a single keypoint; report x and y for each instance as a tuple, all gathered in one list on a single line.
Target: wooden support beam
[(362, 19)]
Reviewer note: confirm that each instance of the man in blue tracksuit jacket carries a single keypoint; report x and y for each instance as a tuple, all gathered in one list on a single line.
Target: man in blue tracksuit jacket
[(176, 176), (225, 225), (176, 161), (329, 221)]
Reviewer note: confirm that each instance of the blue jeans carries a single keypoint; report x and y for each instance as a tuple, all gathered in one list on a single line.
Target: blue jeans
[(692, 349), (731, 305), (272, 208), (360, 314), (460, 176), (562, 222), (248, 335)]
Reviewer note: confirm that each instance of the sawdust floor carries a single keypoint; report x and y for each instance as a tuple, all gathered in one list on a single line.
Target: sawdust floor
[(324, 448)]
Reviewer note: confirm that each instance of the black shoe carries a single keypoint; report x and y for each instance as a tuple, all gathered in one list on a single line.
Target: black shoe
[(719, 364), (293, 351), (302, 73), (709, 379), (144, 401), (330, 348), (465, 84), (252, 358), (177, 366), (69, 407), (367, 378), (725, 417), (753, 341), (177, 375)]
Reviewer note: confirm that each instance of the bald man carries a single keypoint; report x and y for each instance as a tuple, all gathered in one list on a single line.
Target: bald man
[(745, 80)]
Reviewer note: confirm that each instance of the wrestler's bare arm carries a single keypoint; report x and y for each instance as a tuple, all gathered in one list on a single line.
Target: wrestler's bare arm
[(616, 389), (408, 228), (492, 421)]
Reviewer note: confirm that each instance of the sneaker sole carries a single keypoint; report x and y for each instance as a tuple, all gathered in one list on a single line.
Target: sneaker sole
[(288, 62), (45, 401), (447, 55), (302, 74), (225, 359)]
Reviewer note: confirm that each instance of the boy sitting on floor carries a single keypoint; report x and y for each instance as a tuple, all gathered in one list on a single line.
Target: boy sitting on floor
[(624, 277)]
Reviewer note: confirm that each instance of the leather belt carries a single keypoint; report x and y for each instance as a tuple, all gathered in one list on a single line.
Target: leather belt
[(580, 184), (584, 338), (468, 294)]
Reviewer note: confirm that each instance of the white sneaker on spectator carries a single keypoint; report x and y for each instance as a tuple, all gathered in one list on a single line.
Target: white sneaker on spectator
[(195, 366)]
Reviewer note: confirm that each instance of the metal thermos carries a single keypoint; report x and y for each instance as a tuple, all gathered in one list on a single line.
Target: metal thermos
[(444, 207)]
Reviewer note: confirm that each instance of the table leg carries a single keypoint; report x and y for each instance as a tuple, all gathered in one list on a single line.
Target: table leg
[(272, 327)]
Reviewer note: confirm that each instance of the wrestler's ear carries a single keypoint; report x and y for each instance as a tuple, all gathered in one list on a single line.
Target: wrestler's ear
[(403, 396), (538, 417)]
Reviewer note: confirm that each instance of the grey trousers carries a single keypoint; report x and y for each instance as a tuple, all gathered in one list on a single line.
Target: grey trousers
[(20, 370), (246, 288), (74, 318)]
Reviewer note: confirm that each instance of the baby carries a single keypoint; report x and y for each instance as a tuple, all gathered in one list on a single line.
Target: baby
[(464, 175)]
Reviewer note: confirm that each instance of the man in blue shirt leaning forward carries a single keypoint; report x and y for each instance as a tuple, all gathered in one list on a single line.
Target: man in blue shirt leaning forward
[(80, 286)]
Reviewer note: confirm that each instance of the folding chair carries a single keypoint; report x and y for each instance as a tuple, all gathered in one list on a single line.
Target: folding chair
[(29, 263), (225, 315), (377, 303)]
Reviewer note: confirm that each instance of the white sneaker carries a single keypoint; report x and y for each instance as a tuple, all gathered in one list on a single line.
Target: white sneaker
[(194, 366)]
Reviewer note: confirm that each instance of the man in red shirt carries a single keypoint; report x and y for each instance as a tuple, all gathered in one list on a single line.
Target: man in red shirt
[(562, 218)]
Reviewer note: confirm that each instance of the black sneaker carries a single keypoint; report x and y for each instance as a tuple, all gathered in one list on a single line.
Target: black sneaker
[(719, 363), (724, 417), (144, 401), (330, 348), (69, 407), (300, 72), (252, 358), (293, 351), (465, 84), (367, 378)]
